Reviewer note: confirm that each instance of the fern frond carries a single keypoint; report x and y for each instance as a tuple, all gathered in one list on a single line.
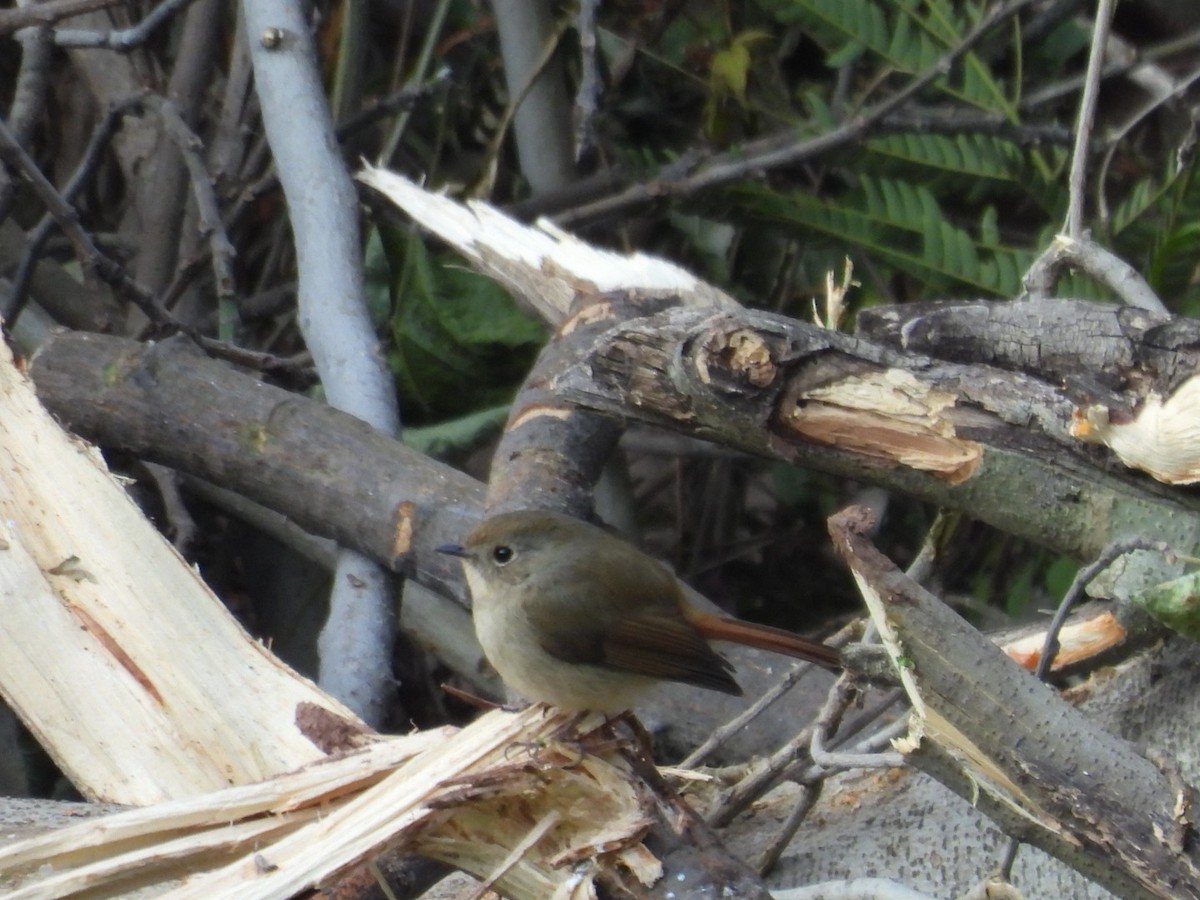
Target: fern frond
[(909, 37), (967, 155), (902, 226)]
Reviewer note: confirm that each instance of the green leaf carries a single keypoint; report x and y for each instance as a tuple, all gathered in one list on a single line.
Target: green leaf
[(909, 37), (1175, 603), (900, 225), (459, 342), (459, 434)]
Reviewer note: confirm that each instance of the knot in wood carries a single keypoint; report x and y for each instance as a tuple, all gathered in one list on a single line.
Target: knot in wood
[(742, 356)]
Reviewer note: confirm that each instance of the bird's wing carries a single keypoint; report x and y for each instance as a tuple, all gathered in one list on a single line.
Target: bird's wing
[(657, 646)]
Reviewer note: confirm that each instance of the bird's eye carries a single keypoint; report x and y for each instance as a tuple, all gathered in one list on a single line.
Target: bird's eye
[(502, 555)]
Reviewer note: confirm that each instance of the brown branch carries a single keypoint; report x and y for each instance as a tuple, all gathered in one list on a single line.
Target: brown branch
[(326, 470), (1072, 789), (971, 437)]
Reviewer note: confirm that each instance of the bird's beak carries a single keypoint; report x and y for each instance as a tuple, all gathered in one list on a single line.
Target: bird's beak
[(454, 550)]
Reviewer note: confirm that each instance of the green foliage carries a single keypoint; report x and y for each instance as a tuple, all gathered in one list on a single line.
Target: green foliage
[(454, 436), (967, 157), (902, 225), (928, 209), (1175, 603), (459, 342), (909, 36), (1157, 227), (1059, 576)]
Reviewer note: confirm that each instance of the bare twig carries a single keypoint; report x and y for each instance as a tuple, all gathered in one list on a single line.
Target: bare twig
[(1054, 92), (167, 220), (49, 13), (125, 39), (402, 100), (538, 104), (96, 264), (179, 522), (543, 161), (1087, 115), (1093, 260), (19, 289), (935, 119), (90, 258), (841, 697), (1083, 578), (433, 33), (1116, 138), (778, 690), (587, 97), (29, 97), (221, 249), (873, 745), (809, 795), (785, 148), (785, 761)]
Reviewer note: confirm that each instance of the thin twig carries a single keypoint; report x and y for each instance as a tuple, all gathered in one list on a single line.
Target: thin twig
[(776, 691), (402, 100), (809, 795), (95, 264), (18, 292), (1096, 262), (1116, 138), (433, 34), (1052, 93), (785, 148), (1083, 578), (221, 249), (1087, 115), (843, 695), (29, 97), (125, 39), (785, 761), (1009, 859), (934, 119), (49, 13), (64, 214), (29, 93), (873, 744), (587, 97), (486, 169)]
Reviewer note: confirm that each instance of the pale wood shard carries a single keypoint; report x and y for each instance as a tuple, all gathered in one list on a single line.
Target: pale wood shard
[(539, 819), (542, 264), (148, 693), (1078, 641), (1162, 439), (886, 414), (127, 669)]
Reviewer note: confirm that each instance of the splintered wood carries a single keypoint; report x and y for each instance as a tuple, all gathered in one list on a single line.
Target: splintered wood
[(147, 692), (885, 414), (503, 799), (129, 671)]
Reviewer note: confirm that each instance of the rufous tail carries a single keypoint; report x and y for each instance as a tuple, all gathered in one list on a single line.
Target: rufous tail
[(764, 637)]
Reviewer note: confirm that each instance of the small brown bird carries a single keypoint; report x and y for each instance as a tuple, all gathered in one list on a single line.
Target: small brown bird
[(574, 616)]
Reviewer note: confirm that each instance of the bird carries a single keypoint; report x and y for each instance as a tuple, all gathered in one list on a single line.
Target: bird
[(573, 616)]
